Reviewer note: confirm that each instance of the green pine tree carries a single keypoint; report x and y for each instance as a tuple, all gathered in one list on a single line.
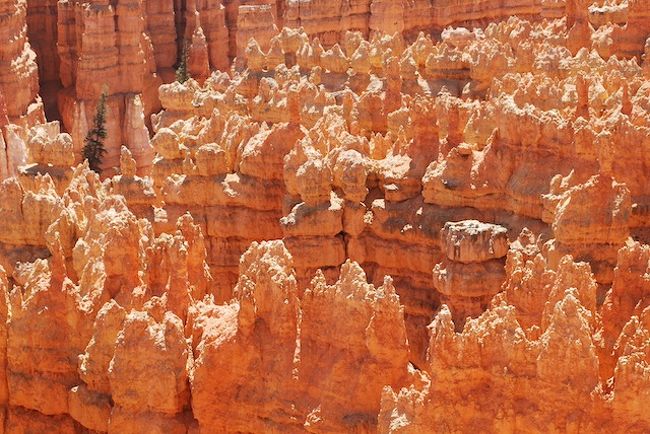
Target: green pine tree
[(181, 72), (94, 146)]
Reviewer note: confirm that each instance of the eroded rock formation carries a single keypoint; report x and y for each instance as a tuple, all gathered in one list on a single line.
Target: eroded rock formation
[(352, 218), (20, 105)]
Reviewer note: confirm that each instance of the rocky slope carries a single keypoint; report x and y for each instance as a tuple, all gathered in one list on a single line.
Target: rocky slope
[(351, 227), (129, 47)]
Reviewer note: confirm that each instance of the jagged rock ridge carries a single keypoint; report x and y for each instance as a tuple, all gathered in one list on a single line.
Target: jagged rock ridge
[(374, 230)]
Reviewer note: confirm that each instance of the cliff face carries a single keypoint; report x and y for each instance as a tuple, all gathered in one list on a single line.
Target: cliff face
[(130, 48), (357, 181), (96, 57), (20, 105), (126, 49), (368, 231)]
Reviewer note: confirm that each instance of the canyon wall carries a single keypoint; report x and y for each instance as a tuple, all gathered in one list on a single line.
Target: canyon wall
[(20, 104), (141, 43), (376, 230)]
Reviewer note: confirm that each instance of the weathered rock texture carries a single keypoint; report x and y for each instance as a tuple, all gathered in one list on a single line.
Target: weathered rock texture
[(367, 222), (473, 269), (130, 47), (20, 105)]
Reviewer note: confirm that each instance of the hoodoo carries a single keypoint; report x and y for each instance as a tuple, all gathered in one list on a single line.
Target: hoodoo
[(312, 216)]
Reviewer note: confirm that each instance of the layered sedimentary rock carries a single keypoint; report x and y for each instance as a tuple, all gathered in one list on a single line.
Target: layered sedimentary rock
[(51, 153), (18, 72), (540, 342), (374, 174), (148, 334), (606, 233), (254, 21), (42, 31), (102, 49), (328, 20), (94, 268), (125, 49), (20, 104), (473, 269), (75, 64), (381, 230), (628, 37), (149, 38)]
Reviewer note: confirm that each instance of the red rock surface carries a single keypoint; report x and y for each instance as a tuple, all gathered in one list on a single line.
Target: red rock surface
[(20, 105), (354, 217)]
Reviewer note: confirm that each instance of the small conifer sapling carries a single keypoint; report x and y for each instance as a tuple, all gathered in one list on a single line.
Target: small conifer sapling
[(94, 150)]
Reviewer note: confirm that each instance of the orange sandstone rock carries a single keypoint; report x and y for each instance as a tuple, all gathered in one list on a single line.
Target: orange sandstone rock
[(381, 221)]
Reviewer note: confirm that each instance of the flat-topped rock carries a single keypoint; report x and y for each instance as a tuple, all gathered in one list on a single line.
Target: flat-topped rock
[(474, 241)]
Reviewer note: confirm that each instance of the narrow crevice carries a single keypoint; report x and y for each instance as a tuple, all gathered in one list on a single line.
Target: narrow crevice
[(180, 21), (42, 16)]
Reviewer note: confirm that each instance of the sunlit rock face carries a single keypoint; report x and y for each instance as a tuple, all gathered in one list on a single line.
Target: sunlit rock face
[(20, 105), (354, 216)]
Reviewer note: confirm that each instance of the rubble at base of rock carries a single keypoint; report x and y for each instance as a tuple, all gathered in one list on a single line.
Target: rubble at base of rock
[(367, 216)]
